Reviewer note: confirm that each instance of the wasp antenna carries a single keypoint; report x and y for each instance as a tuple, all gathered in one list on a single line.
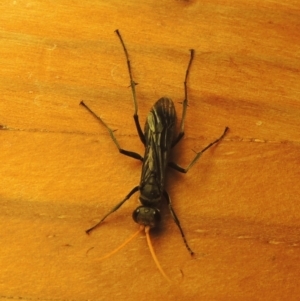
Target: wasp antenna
[(147, 230), (122, 245)]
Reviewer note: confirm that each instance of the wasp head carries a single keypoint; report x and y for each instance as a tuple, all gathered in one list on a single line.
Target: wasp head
[(146, 216)]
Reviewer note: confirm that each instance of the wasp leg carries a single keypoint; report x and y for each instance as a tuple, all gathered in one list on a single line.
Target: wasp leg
[(167, 197), (198, 155), (132, 85), (111, 133), (134, 190), (185, 102)]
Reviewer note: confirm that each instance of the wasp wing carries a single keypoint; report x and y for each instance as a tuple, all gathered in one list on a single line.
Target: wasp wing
[(159, 132)]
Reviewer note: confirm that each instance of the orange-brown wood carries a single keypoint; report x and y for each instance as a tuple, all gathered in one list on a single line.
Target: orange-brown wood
[(60, 172)]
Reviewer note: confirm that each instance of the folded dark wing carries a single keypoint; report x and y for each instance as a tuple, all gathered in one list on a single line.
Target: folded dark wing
[(159, 132)]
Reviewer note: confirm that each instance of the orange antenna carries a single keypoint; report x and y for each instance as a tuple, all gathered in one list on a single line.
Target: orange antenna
[(147, 230), (123, 244)]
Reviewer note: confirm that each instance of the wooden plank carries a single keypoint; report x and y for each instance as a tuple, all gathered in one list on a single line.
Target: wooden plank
[(61, 172)]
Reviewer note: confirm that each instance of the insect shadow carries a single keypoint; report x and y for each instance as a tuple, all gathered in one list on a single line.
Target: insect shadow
[(158, 138)]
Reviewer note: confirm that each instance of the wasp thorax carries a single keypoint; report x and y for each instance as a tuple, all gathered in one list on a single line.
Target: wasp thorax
[(150, 195), (146, 216)]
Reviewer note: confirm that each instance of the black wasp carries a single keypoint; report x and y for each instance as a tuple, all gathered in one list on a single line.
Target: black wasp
[(158, 138)]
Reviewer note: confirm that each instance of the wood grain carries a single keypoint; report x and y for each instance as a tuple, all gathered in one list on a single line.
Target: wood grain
[(60, 171)]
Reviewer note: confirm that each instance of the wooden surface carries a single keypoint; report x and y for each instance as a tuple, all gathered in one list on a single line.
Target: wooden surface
[(60, 171)]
